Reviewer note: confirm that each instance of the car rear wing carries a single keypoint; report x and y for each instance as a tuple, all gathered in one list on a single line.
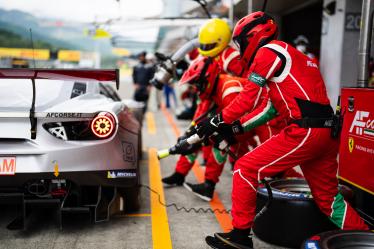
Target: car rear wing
[(96, 75), (101, 75)]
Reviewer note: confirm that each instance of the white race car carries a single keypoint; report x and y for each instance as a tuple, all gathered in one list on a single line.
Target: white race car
[(66, 140)]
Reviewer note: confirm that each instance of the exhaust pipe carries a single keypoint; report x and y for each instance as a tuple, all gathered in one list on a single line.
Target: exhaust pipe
[(38, 187)]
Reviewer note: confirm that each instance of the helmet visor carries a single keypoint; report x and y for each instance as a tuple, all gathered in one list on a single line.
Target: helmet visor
[(241, 43), (207, 47), (201, 85), (202, 82)]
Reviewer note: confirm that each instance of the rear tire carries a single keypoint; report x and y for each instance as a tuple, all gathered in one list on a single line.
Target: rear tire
[(341, 240), (292, 216)]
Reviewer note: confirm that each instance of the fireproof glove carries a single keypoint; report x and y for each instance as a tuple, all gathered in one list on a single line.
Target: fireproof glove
[(183, 148), (189, 132), (222, 143), (230, 130), (226, 133), (191, 148), (207, 127)]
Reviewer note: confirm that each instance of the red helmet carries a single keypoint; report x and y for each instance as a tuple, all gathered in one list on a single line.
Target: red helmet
[(252, 32), (202, 73)]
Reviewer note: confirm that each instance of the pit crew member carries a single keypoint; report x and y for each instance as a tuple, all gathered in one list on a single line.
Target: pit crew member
[(299, 94)]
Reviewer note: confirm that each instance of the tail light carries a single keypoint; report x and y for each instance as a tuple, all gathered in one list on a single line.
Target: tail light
[(103, 125)]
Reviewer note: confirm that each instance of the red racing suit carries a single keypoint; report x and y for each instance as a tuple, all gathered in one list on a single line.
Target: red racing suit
[(289, 76), (228, 87), (229, 63)]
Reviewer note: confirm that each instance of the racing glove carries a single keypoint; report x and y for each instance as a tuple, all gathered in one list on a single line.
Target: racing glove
[(230, 130), (189, 132), (207, 127), (184, 148), (189, 149), (226, 134)]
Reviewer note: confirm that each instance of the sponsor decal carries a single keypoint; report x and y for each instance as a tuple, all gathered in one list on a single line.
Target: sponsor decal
[(7, 165), (128, 152), (311, 245), (328, 123), (351, 144), (257, 79), (311, 64), (364, 149), (289, 194), (63, 115), (362, 124), (120, 174)]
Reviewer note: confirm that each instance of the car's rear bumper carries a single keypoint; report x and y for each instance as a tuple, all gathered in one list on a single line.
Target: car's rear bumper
[(115, 178)]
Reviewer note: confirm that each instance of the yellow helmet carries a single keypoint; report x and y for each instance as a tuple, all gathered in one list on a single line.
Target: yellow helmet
[(214, 36)]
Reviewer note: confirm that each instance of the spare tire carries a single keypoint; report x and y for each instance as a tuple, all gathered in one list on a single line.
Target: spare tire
[(341, 240), (292, 216)]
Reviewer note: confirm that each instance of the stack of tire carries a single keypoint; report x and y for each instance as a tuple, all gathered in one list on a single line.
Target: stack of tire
[(341, 240), (292, 216)]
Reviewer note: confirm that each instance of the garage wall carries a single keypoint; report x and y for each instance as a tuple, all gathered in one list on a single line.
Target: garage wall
[(339, 46), (332, 48), (350, 43)]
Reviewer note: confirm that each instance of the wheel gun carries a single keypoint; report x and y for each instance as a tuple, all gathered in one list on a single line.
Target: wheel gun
[(194, 139)]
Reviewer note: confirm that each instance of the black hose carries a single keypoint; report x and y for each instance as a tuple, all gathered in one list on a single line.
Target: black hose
[(203, 5), (269, 201), (264, 5), (186, 209), (210, 210)]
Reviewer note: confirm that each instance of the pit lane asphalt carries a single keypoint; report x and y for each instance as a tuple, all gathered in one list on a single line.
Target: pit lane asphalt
[(148, 228)]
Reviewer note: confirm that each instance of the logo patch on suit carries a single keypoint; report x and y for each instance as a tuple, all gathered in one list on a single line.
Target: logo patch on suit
[(257, 79)]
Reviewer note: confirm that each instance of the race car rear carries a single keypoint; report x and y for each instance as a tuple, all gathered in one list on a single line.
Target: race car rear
[(76, 151)]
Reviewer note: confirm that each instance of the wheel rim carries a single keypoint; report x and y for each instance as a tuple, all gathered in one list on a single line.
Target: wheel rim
[(298, 186)]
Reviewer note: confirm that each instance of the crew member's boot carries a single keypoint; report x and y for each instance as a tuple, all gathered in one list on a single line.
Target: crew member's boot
[(203, 190), (237, 238), (176, 179)]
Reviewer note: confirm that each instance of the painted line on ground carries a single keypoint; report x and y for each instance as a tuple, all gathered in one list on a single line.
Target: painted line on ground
[(132, 215), (151, 125), (135, 215), (160, 224), (223, 219)]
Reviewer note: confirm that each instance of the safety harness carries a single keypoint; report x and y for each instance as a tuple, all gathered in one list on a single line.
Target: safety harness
[(314, 115)]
